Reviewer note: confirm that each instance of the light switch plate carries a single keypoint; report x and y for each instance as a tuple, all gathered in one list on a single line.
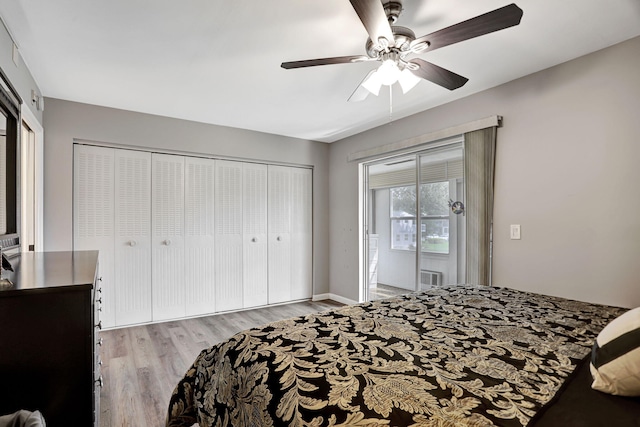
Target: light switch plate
[(515, 231)]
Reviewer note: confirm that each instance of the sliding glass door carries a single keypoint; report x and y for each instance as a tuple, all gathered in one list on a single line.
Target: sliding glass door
[(442, 230), (414, 221), (392, 229)]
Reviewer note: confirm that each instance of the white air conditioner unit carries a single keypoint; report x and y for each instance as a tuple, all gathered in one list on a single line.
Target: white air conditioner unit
[(430, 278)]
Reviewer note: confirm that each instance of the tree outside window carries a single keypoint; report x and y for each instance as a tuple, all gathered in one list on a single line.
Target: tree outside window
[(434, 215)]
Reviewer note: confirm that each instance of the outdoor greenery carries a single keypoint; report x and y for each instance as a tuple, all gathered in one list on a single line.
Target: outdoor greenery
[(434, 198), (440, 245)]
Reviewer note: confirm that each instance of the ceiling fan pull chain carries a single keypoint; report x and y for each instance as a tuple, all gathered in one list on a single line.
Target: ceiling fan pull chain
[(390, 103)]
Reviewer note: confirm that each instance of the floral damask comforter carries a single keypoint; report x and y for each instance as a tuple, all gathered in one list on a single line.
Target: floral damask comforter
[(451, 356)]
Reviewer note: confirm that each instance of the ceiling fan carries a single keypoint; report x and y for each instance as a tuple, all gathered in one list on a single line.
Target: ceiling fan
[(392, 44)]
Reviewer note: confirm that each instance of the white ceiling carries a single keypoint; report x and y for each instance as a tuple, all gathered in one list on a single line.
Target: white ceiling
[(219, 62)]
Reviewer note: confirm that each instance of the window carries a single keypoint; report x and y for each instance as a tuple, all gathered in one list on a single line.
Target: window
[(9, 178), (434, 218)]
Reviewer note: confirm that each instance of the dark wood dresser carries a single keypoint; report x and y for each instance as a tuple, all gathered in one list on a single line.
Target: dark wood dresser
[(49, 324)]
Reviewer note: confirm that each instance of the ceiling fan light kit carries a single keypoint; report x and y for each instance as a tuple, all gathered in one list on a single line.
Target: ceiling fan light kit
[(389, 73), (408, 80), (394, 44)]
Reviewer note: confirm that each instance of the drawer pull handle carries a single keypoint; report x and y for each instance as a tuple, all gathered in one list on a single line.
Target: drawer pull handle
[(99, 325), (132, 242), (100, 382), (100, 341), (167, 242), (254, 240)]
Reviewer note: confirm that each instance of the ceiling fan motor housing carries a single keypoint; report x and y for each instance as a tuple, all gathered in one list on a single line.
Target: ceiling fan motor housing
[(403, 37)]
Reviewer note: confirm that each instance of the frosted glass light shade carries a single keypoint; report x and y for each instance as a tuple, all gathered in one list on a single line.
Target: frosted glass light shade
[(389, 72), (373, 83), (408, 80)]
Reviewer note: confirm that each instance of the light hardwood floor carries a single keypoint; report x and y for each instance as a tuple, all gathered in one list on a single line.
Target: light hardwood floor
[(385, 291), (142, 364)]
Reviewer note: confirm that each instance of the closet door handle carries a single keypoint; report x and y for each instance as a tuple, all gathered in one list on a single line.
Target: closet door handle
[(254, 240), (279, 239), (132, 243), (167, 242)]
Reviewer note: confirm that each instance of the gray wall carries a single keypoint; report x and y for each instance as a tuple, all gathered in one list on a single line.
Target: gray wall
[(19, 74), (64, 121), (566, 171)]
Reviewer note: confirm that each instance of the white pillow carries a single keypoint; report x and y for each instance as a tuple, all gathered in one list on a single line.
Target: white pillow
[(615, 358), (23, 418)]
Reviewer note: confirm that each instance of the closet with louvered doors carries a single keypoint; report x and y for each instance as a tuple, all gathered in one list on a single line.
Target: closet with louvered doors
[(168, 259), (254, 235), (112, 214), (183, 236), (132, 250), (301, 285), (290, 233), (199, 236), (241, 235), (93, 211)]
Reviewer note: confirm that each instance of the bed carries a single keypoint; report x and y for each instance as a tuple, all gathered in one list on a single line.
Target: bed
[(451, 356)]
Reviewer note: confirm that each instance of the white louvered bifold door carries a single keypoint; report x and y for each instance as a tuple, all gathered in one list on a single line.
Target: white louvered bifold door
[(168, 261), (132, 282), (199, 236), (254, 194), (301, 234), (228, 236), (93, 221), (279, 234)]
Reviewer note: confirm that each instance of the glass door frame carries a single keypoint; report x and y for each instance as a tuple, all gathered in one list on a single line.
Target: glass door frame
[(364, 200)]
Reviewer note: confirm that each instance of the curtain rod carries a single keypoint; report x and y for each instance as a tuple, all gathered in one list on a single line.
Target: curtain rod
[(426, 138)]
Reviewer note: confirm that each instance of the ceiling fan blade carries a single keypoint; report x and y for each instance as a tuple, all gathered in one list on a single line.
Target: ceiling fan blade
[(360, 94), (499, 19), (325, 61), (371, 13), (438, 75)]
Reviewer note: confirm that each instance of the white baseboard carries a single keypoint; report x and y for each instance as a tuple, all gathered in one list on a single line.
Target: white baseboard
[(334, 297), (320, 297)]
